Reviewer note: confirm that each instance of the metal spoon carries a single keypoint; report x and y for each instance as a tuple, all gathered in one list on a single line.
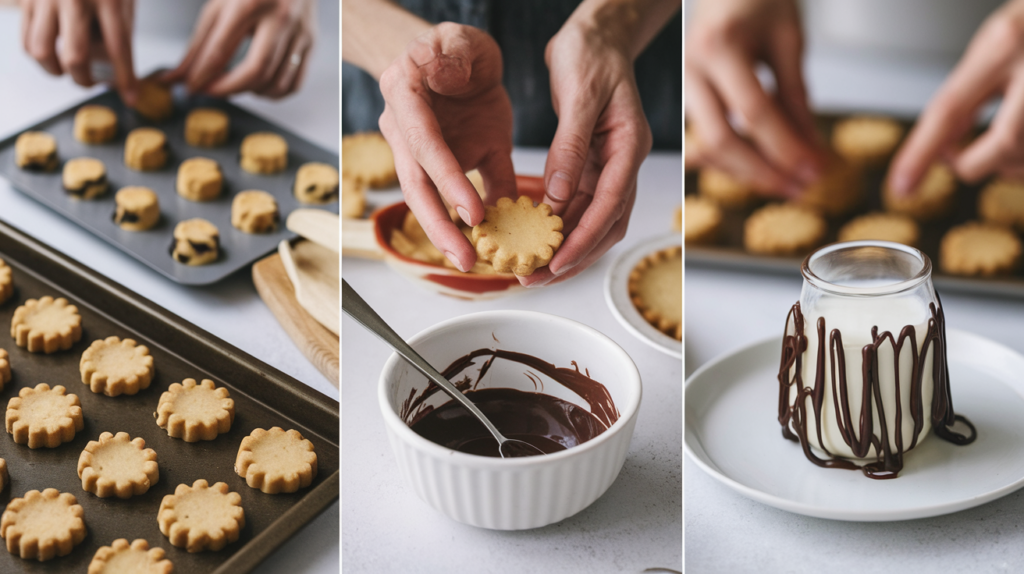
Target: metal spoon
[(356, 308)]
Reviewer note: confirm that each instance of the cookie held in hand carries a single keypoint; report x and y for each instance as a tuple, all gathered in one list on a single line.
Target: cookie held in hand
[(518, 237)]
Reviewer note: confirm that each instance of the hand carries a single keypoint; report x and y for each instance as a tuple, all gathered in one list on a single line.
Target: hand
[(283, 32), (75, 22), (446, 113), (992, 66), (773, 147)]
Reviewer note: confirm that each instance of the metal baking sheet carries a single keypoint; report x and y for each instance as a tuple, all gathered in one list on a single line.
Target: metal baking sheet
[(728, 252), (264, 397), (152, 247)]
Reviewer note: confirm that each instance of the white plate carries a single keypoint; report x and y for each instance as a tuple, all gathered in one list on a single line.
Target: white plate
[(733, 434), (616, 293)]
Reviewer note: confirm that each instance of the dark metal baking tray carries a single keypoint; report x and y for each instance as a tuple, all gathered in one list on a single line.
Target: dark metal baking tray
[(264, 397), (152, 247), (728, 252)]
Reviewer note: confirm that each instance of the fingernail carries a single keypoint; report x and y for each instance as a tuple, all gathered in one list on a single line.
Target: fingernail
[(451, 257), (560, 186), (562, 270), (807, 173), (463, 214)]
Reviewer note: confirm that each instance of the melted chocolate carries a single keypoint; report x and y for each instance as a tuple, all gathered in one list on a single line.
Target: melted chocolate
[(889, 461)]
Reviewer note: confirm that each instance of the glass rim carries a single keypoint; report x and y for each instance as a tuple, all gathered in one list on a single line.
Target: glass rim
[(920, 277)]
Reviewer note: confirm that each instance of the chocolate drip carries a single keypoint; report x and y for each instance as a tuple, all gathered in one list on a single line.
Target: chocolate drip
[(860, 434)]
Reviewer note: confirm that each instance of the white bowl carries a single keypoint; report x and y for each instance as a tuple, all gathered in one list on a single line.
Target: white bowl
[(519, 493)]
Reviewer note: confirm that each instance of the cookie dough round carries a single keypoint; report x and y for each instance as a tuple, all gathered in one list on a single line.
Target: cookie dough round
[(353, 198), (1002, 202), (42, 417), (5, 373), (254, 212), (979, 249), (117, 465), (196, 242), (199, 179), (6, 282), (264, 153), (113, 367), (866, 140), (656, 289), (43, 525), (155, 102), (316, 183), (46, 325), (138, 208), (135, 558), (206, 127), (838, 191), (95, 124), (85, 178), (517, 237), (724, 189), (36, 151), (201, 517), (703, 220), (783, 229), (195, 411), (145, 149), (932, 199), (276, 461), (882, 227), (367, 157)]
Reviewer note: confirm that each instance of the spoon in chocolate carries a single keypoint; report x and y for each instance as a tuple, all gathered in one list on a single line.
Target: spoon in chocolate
[(359, 310)]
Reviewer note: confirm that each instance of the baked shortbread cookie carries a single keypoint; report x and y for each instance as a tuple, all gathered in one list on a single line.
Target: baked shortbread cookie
[(979, 249), (42, 417), (656, 289), (84, 178), (46, 325), (883, 227), (932, 199), (145, 149), (367, 157), (1002, 202), (724, 189), (6, 282), (866, 140), (517, 237), (206, 127), (254, 212), (115, 366), (5, 370), (116, 465), (783, 229), (201, 517), (137, 208), (703, 220), (135, 558), (195, 411), (353, 198), (316, 183), (838, 191), (276, 461), (95, 124), (155, 102), (196, 242), (264, 152), (43, 525), (199, 179), (36, 151)]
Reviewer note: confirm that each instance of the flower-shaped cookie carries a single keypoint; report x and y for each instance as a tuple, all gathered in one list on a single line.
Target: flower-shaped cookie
[(518, 237), (656, 288), (42, 525), (195, 412), (46, 325), (6, 282), (5, 368), (113, 366), (276, 461), (136, 558), (115, 465), (44, 417), (201, 517)]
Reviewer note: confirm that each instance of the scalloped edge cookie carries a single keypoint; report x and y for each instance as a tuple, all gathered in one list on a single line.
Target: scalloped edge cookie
[(135, 558), (59, 540), (518, 237), (96, 374), (652, 311), (5, 370), (200, 537), (783, 229), (45, 338), (145, 474), (250, 463), (187, 426), (979, 249), (50, 435)]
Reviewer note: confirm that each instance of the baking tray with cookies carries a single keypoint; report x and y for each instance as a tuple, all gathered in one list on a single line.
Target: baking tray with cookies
[(195, 432), (951, 206), (162, 154)]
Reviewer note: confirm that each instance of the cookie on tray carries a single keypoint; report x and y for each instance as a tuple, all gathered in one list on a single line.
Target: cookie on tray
[(656, 289), (838, 191), (276, 461), (42, 417), (115, 366), (145, 149), (95, 124), (316, 183), (199, 179), (866, 140), (43, 525), (154, 102), (353, 198), (703, 220), (195, 411), (135, 558), (254, 211), (518, 237), (46, 325), (206, 127), (117, 465), (1002, 202), (979, 249), (201, 517), (196, 242), (783, 229), (5, 370), (367, 157), (6, 282), (882, 227), (932, 199), (36, 151), (137, 208), (724, 189), (264, 153), (84, 178)]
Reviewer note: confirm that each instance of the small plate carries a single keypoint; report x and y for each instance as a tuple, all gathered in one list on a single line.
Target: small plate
[(732, 433), (616, 293)]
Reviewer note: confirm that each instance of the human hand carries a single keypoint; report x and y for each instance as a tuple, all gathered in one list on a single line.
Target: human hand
[(446, 113), (75, 21), (992, 66), (774, 146), (283, 32)]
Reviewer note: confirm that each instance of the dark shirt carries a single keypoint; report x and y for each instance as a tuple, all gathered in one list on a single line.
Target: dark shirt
[(523, 28)]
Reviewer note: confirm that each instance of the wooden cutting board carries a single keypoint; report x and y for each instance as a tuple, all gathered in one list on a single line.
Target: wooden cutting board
[(319, 345)]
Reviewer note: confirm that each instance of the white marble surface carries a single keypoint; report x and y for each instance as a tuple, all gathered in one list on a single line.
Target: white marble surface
[(637, 524), (726, 310), (231, 310)]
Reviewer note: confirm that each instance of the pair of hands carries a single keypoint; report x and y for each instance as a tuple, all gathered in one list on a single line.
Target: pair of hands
[(771, 142), (447, 113), (282, 33)]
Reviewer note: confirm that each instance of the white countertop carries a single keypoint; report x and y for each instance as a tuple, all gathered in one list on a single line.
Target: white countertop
[(231, 309), (727, 310), (637, 524)]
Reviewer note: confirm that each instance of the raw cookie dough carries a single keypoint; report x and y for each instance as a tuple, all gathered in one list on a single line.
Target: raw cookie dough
[(196, 242), (276, 461), (883, 227), (46, 325), (95, 124), (6, 282), (43, 525), (783, 229), (145, 149), (116, 465), (36, 151), (138, 208), (154, 102), (316, 183), (199, 179), (254, 212), (367, 157), (5, 370), (195, 411), (979, 249), (517, 237), (85, 177), (201, 517), (135, 558), (43, 417), (113, 367), (206, 127), (264, 152)]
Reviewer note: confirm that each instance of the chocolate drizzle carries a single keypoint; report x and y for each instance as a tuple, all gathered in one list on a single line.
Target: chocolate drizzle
[(859, 434)]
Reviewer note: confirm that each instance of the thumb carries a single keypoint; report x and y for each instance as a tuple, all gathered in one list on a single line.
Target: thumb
[(568, 155)]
